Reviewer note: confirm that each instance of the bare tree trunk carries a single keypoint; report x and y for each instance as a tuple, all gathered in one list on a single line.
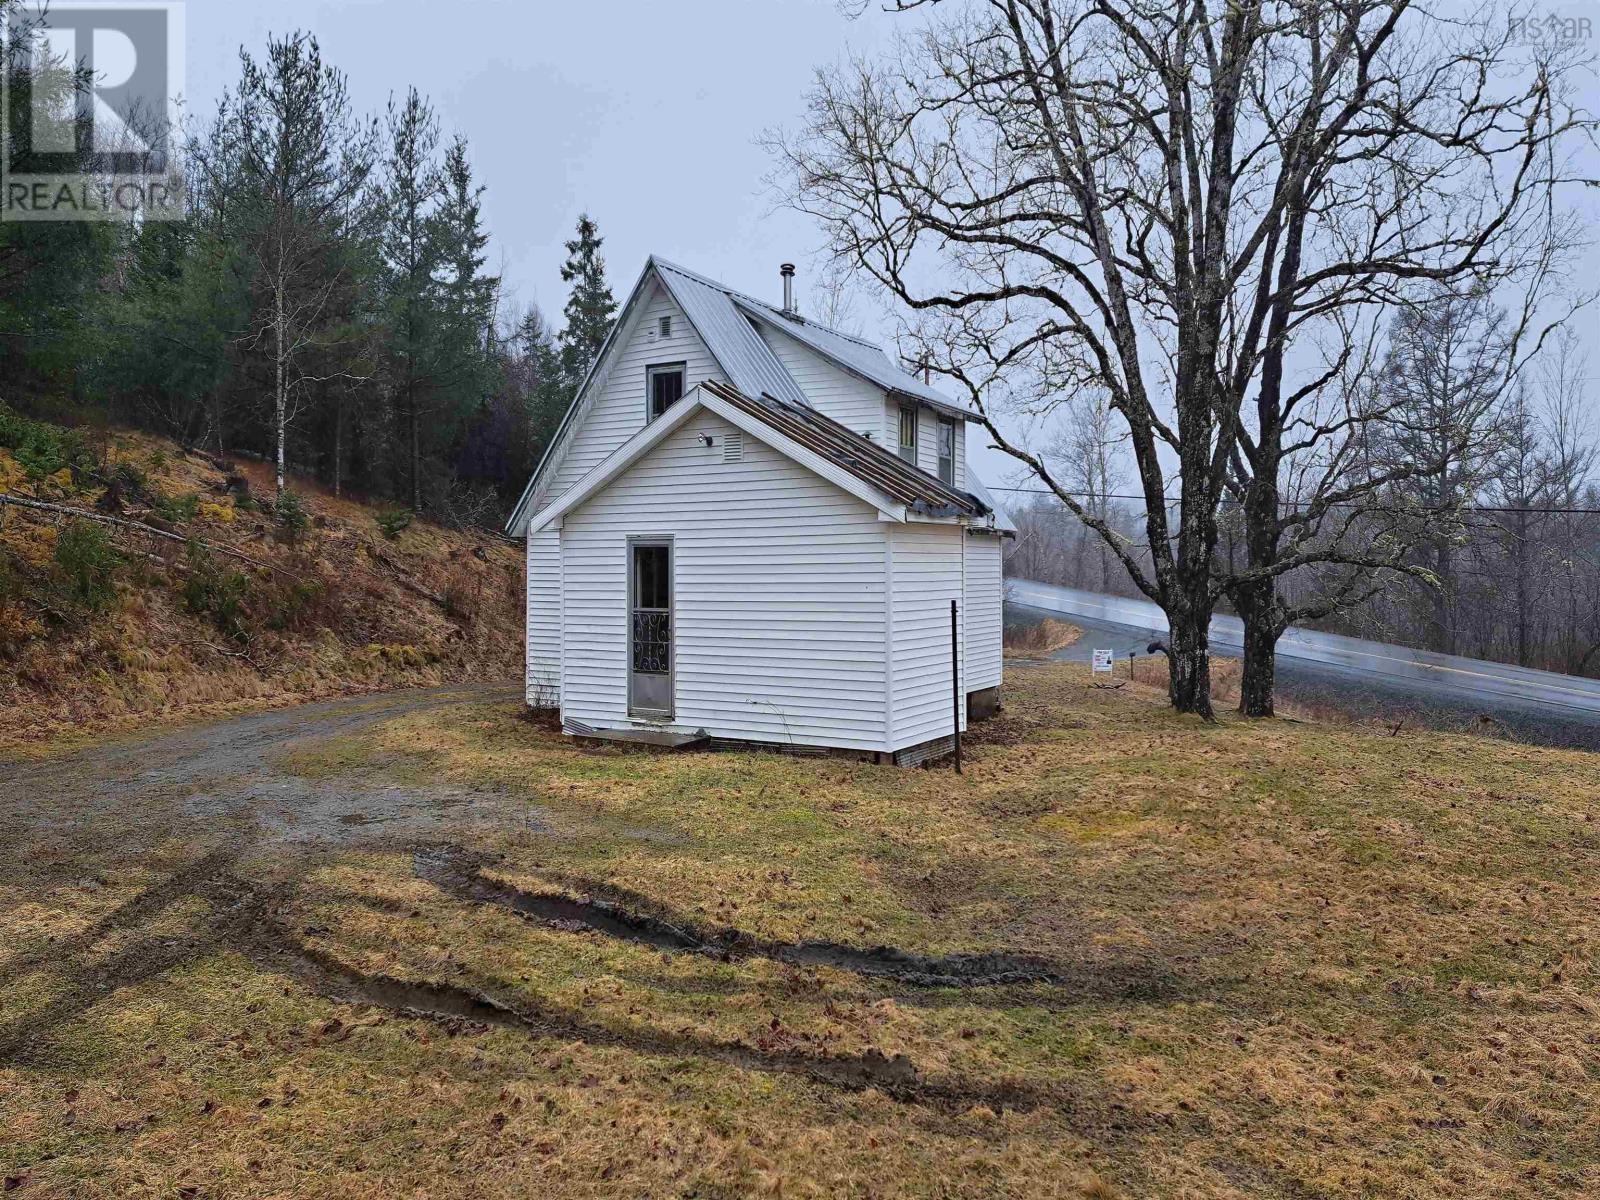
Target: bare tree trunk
[(1521, 557), (1257, 604), (338, 445), (416, 457), (280, 397), (1189, 659), (1443, 598)]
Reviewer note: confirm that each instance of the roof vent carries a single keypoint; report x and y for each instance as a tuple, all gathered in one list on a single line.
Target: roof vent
[(732, 447), (787, 271)]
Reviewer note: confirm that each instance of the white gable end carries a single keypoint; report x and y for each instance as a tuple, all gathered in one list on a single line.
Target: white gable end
[(779, 593), (618, 405)]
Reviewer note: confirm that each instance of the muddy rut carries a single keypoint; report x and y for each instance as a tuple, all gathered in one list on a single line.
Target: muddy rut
[(248, 918), (460, 874)]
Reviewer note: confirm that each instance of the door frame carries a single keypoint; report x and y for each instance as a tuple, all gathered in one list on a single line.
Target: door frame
[(665, 540)]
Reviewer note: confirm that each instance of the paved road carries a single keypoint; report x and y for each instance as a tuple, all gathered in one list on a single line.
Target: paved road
[(1357, 676)]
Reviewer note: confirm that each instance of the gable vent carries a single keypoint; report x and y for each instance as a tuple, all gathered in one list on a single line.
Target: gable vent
[(732, 447)]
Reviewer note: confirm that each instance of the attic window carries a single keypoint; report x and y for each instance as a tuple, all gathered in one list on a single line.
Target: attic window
[(664, 326), (732, 447), (947, 451), (908, 433), (664, 386)]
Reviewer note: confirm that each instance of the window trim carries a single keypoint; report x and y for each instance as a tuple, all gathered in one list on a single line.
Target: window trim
[(681, 367), (952, 425), (907, 451), (633, 542)]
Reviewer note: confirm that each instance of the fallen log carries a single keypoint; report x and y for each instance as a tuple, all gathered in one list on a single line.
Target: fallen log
[(85, 514), (399, 575)]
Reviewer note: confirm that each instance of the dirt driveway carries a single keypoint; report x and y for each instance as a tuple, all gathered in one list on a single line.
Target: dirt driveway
[(225, 782)]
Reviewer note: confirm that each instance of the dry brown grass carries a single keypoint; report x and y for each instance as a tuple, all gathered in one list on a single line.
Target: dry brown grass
[(1297, 961), (1041, 639), (332, 614)]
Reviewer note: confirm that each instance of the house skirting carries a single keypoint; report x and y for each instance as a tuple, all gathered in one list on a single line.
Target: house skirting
[(980, 705), (983, 704)]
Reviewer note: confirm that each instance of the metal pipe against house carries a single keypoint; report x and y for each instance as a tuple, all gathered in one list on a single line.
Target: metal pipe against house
[(955, 681)]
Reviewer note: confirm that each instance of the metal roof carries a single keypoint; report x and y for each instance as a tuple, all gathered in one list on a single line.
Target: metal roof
[(864, 459), (726, 322), (1002, 521), (862, 359), (738, 355), (751, 365)]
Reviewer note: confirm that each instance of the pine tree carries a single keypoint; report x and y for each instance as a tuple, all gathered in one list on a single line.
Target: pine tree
[(413, 188), (462, 240), (305, 159), (544, 378), (591, 307)]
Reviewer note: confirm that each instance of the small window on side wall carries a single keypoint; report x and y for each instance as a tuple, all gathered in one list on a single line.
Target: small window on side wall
[(663, 386), (908, 433), (947, 451)]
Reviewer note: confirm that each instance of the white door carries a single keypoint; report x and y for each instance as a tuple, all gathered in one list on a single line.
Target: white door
[(650, 649)]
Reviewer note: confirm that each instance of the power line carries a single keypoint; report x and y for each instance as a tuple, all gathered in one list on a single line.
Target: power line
[(1468, 508)]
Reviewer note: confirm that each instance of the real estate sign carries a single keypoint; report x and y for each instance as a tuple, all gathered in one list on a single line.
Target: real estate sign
[(1103, 661)]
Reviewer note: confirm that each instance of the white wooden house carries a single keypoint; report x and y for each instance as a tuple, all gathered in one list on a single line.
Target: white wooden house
[(751, 528)]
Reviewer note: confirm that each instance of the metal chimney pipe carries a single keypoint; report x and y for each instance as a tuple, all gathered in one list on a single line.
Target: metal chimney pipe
[(787, 271)]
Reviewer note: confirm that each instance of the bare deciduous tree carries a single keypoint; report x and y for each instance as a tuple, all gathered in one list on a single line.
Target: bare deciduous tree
[(1163, 201), (304, 163)]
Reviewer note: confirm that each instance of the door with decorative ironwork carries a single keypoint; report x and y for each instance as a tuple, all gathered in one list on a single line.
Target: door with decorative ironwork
[(650, 658)]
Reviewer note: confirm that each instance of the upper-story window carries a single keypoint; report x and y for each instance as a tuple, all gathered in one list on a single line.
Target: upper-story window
[(664, 386), (908, 433), (947, 451)]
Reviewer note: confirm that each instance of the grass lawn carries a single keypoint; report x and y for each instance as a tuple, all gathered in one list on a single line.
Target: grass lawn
[(1285, 959)]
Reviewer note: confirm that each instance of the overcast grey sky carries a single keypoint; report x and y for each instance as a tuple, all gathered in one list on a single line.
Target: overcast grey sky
[(644, 113)]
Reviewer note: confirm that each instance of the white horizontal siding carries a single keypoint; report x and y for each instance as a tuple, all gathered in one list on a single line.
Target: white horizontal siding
[(926, 570), (833, 392), (927, 440), (778, 598), (618, 407), (614, 411), (544, 619), (983, 620), (928, 446)]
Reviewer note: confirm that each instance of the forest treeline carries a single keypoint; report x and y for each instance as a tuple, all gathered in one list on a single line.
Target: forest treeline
[(327, 305), (1498, 524)]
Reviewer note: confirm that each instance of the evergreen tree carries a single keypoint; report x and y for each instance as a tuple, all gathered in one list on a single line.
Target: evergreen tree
[(462, 240), (412, 188), (306, 161), (590, 308), (50, 271), (545, 379)]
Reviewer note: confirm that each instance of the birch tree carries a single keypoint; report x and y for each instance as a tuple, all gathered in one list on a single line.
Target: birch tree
[(305, 163)]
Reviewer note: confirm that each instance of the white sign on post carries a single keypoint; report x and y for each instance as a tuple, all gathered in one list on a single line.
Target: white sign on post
[(1103, 660)]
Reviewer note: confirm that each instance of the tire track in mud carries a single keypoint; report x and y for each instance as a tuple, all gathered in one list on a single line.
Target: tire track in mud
[(247, 918), (460, 874), (271, 945)]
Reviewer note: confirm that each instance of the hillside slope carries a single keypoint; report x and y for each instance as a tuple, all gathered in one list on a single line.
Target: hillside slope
[(222, 600)]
